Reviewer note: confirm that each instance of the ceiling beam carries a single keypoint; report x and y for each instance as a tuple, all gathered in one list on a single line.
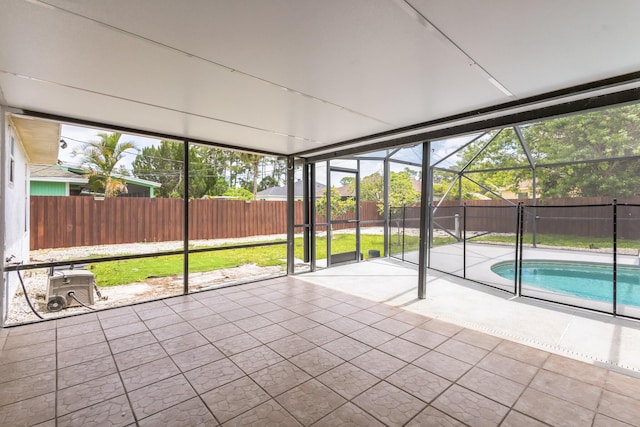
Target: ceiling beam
[(133, 131), (581, 105), (602, 84)]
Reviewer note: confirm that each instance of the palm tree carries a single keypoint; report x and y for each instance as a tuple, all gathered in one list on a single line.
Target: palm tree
[(101, 157), (254, 161)]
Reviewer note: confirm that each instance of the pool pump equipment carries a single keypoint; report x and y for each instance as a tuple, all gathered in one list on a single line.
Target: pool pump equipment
[(70, 288)]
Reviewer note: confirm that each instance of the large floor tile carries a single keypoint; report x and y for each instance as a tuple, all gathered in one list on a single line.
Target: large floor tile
[(418, 382), (348, 415), (156, 397), (234, 398), (348, 380), (310, 401), (552, 410), (114, 412), (389, 404), (30, 411), (281, 377), (470, 407), (189, 413), (270, 413)]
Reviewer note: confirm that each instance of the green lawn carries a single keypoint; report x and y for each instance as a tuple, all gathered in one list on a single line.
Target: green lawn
[(577, 242), (412, 243), (137, 270)]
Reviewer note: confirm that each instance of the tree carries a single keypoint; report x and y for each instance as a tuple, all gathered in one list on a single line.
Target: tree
[(268, 182), (165, 164), (254, 161), (101, 158), (339, 206), (239, 193), (401, 190), (607, 135), (347, 180), (470, 191)]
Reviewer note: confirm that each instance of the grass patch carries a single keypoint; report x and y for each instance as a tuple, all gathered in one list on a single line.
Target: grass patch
[(578, 242), (412, 243), (114, 273), (138, 270)]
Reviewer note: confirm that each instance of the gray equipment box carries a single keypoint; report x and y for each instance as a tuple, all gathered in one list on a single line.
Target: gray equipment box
[(81, 282)]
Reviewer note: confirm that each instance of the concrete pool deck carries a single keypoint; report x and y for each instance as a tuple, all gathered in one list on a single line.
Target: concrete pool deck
[(599, 339)]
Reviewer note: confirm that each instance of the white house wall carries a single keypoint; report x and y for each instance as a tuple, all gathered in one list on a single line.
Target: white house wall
[(15, 206)]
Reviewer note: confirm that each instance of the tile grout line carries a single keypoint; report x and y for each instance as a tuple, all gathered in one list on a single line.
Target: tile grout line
[(342, 335)]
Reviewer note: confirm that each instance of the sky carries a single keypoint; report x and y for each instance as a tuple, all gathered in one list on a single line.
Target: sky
[(77, 137)]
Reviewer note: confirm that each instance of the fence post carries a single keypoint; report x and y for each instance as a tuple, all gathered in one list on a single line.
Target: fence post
[(518, 262), (456, 225), (615, 257), (521, 249), (185, 224), (464, 241), (404, 227), (515, 261)]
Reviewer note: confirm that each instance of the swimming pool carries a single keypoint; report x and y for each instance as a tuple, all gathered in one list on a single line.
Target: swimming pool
[(589, 280)]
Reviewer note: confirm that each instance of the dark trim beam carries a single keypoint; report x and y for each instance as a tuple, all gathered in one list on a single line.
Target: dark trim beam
[(576, 90), (588, 104)]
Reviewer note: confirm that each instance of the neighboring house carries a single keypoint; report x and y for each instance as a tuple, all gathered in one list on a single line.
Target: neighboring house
[(24, 141), (55, 180), (66, 180), (417, 185), (525, 191), (348, 190), (280, 193)]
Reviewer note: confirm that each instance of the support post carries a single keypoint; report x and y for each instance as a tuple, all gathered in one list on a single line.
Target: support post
[(425, 229), (515, 261), (521, 233), (290, 215), (328, 197), (429, 204), (185, 212), (358, 243), (615, 257), (307, 187), (312, 216), (404, 228), (535, 209), (387, 211), (464, 241)]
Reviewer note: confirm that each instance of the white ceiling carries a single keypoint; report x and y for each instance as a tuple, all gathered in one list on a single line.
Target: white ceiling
[(292, 75)]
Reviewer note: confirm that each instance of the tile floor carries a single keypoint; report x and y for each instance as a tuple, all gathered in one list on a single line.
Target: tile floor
[(287, 352)]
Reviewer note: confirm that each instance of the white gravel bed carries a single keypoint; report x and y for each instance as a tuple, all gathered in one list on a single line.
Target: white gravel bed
[(79, 252)]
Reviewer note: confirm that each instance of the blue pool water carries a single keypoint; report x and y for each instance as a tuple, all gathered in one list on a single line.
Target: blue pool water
[(582, 279)]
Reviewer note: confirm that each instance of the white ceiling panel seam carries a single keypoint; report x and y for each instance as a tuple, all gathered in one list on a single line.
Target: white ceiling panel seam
[(290, 90), (430, 26), (296, 137)]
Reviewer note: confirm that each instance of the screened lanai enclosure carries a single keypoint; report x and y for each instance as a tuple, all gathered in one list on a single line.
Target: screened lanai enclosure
[(268, 138), (546, 210)]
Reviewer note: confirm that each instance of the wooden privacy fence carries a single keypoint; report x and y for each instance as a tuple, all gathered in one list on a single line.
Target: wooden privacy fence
[(61, 222), (562, 216)]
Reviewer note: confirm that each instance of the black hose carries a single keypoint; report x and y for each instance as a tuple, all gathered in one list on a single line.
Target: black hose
[(73, 296), (24, 289)]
